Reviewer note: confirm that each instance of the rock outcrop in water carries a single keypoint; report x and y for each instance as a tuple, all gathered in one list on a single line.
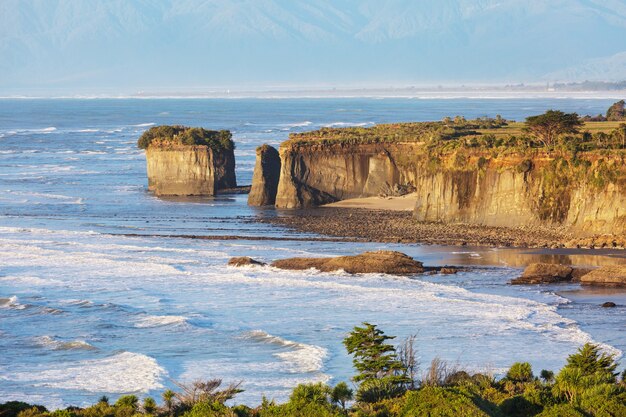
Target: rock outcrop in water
[(383, 262), (542, 273), (244, 261), (188, 161), (607, 276), (265, 177), (459, 180)]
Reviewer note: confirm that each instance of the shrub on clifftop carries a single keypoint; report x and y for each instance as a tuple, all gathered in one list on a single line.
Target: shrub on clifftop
[(214, 139), (549, 126), (616, 112)]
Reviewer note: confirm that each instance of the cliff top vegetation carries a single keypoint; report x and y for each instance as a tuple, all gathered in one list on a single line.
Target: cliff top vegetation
[(551, 130), (182, 135), (450, 134)]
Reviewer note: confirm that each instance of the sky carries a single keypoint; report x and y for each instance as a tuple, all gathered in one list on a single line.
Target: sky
[(128, 46)]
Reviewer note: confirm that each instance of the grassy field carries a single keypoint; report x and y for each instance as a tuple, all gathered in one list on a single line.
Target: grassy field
[(429, 132)]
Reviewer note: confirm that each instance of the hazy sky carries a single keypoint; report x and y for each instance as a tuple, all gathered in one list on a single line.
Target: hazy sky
[(131, 45)]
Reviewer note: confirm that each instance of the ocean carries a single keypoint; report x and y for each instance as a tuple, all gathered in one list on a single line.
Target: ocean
[(87, 310)]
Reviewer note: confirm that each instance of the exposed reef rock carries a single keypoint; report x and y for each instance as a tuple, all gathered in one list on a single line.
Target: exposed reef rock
[(265, 178), (607, 276), (543, 273), (188, 161), (384, 262), (244, 261)]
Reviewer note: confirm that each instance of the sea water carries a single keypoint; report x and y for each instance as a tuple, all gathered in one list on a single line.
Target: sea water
[(88, 310)]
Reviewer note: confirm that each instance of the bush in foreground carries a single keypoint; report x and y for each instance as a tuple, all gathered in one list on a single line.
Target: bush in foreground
[(587, 386)]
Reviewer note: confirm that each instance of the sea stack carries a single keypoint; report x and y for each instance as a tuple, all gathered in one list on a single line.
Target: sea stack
[(265, 177), (187, 161)]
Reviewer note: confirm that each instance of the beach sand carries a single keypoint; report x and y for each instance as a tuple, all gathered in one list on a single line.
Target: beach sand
[(403, 203)]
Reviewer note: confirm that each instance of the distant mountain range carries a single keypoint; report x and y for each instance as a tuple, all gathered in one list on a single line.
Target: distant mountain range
[(72, 45)]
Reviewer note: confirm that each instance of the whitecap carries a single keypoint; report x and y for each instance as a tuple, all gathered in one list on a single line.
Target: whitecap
[(55, 344), (144, 124), (17, 280), (299, 357), (11, 303), (297, 124), (121, 373), (158, 321), (349, 124)]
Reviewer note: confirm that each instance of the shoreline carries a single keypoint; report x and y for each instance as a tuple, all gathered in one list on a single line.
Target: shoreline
[(398, 226)]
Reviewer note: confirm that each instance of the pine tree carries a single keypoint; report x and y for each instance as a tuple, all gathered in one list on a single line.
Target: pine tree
[(374, 358)]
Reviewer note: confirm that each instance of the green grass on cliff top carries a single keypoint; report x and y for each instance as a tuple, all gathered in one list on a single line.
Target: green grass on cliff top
[(217, 140), (484, 132)]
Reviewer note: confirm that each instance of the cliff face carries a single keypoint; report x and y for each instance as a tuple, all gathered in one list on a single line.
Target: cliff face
[(265, 177), (189, 170), (585, 195), (319, 174)]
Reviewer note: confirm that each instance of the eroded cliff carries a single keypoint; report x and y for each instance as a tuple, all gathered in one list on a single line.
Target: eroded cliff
[(265, 177), (579, 191), (188, 161), (189, 170)]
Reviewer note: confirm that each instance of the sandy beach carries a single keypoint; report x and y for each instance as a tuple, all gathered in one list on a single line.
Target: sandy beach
[(403, 203)]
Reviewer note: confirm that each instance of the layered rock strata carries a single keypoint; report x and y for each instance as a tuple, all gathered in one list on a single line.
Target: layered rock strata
[(265, 178)]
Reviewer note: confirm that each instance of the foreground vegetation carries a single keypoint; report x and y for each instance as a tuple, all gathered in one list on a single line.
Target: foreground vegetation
[(181, 135), (388, 384)]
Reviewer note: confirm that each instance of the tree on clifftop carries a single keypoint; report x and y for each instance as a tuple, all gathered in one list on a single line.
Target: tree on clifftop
[(548, 126), (616, 112)]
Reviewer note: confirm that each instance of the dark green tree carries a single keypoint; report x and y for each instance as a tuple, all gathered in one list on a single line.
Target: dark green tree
[(520, 372), (127, 401), (589, 360), (149, 405), (373, 357), (587, 371), (341, 394), (547, 376), (549, 126), (616, 112)]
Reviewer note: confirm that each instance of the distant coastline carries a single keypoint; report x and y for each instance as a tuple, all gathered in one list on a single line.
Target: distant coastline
[(584, 90)]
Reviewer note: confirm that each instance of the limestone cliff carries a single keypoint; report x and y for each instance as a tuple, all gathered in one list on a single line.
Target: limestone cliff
[(265, 177), (189, 170), (188, 160), (583, 193), (318, 174)]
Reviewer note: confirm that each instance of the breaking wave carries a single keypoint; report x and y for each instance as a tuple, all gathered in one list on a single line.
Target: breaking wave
[(159, 321), (120, 373), (299, 357), (52, 343), (11, 303)]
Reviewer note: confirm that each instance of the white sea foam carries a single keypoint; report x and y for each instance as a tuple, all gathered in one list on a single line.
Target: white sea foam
[(288, 126), (55, 344), (88, 130), (158, 321), (28, 131), (27, 280), (43, 198), (120, 373), (144, 124), (349, 124), (298, 357), (11, 303)]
